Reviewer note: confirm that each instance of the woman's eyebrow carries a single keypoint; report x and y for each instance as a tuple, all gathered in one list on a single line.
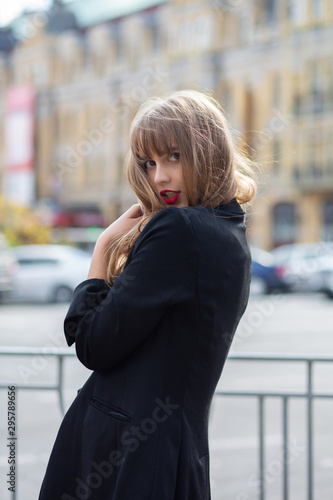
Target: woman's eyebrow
[(144, 156), (170, 150)]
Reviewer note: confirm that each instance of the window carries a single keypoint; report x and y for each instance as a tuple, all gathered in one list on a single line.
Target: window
[(318, 8), (94, 169), (266, 12), (316, 88), (56, 127), (284, 223), (312, 155), (269, 7), (277, 91), (297, 103), (297, 11), (245, 27), (296, 172), (26, 261), (151, 25), (117, 39), (39, 72), (185, 35), (86, 60), (327, 218), (276, 156), (227, 99), (204, 30)]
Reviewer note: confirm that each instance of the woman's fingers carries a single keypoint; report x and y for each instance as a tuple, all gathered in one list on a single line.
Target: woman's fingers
[(135, 211)]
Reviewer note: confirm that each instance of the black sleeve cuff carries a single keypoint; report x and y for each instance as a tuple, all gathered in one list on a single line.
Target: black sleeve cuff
[(86, 296)]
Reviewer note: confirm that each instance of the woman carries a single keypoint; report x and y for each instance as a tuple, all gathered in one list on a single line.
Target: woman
[(168, 283)]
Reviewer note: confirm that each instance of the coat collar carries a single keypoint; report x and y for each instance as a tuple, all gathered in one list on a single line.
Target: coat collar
[(230, 209)]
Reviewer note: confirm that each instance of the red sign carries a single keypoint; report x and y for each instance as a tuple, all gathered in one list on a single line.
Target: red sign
[(19, 182)]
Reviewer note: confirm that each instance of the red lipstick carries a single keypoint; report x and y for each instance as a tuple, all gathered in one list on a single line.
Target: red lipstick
[(169, 200)]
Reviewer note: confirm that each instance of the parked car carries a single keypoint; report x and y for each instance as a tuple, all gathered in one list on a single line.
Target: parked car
[(303, 263), (266, 276), (48, 273), (7, 268), (325, 276)]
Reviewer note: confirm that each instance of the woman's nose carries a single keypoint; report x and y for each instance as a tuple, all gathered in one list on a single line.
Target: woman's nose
[(160, 175)]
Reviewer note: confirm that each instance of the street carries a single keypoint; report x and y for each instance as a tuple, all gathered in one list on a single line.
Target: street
[(290, 324)]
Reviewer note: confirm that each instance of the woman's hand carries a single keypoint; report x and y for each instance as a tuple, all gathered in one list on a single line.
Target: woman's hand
[(120, 226), (123, 224)]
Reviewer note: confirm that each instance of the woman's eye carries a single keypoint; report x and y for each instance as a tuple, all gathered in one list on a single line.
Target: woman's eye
[(176, 156), (149, 164)]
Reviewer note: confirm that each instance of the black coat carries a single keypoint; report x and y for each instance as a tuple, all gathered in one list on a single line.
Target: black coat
[(157, 342)]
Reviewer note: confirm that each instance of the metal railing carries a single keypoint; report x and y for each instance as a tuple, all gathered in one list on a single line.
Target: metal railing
[(59, 352), (309, 395)]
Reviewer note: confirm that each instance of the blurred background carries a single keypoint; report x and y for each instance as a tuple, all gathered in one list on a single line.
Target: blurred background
[(72, 75)]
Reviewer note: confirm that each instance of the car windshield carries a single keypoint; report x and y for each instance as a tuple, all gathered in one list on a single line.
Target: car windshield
[(261, 256), (302, 251), (77, 252)]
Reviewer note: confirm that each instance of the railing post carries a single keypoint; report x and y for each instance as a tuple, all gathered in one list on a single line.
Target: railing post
[(60, 380), (309, 437), (261, 448), (285, 447)]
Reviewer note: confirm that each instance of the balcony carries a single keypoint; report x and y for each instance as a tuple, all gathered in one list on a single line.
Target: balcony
[(313, 178), (317, 103)]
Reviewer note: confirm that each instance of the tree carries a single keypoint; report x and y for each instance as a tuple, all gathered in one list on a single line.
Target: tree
[(21, 225)]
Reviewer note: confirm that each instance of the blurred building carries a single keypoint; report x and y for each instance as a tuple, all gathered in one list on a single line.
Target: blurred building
[(90, 63)]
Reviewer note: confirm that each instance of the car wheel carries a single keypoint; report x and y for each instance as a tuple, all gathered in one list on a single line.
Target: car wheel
[(328, 293), (258, 286), (62, 294), (4, 296)]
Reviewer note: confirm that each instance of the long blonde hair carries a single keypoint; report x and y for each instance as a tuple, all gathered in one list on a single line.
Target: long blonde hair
[(214, 171)]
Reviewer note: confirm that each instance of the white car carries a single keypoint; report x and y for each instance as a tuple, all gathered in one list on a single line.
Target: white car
[(48, 273), (325, 276), (7, 269), (303, 263)]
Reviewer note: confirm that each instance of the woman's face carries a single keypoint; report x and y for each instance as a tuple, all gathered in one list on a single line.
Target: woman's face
[(166, 176)]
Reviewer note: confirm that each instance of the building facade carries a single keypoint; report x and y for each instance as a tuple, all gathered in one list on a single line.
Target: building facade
[(268, 62)]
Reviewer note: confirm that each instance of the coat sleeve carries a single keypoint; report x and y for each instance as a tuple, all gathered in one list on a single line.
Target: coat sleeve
[(108, 324)]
